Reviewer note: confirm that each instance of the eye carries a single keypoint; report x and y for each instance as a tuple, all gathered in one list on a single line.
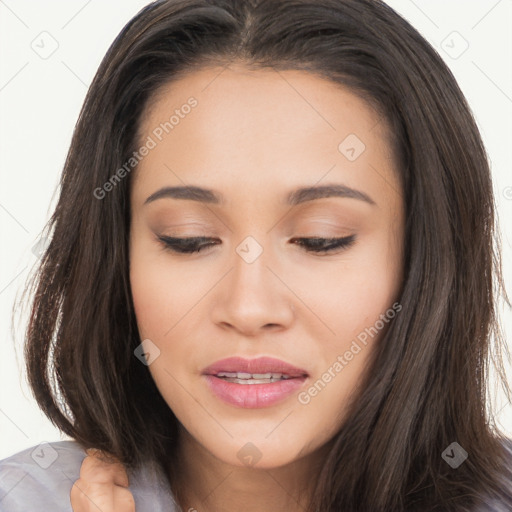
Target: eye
[(198, 243), (319, 245), (185, 245)]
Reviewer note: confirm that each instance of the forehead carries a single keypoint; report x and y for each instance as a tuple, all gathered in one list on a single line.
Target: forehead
[(261, 128)]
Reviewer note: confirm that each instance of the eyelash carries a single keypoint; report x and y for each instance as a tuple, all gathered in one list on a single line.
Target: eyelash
[(317, 245)]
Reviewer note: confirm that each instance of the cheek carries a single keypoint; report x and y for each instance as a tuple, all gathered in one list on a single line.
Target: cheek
[(358, 307), (162, 293), (351, 295), (151, 298), (155, 290), (159, 303)]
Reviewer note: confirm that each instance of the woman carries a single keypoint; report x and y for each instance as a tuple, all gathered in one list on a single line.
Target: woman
[(271, 280)]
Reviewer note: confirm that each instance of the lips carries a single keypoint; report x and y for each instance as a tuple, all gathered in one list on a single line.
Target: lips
[(258, 366), (254, 383)]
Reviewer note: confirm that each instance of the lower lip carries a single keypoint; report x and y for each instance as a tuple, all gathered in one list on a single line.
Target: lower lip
[(253, 396)]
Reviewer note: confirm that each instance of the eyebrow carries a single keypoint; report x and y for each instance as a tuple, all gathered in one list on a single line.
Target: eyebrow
[(297, 196)]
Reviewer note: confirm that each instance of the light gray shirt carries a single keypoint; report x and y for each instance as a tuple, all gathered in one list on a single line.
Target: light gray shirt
[(40, 479)]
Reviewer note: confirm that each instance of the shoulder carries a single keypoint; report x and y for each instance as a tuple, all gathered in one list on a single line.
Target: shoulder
[(502, 501), (40, 477), (507, 445)]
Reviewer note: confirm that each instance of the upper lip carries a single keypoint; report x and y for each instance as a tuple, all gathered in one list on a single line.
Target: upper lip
[(259, 365)]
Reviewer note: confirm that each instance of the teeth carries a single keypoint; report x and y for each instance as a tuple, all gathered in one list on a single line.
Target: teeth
[(252, 376), (251, 381)]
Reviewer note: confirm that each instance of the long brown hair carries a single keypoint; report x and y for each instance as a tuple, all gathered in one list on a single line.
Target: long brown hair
[(427, 385)]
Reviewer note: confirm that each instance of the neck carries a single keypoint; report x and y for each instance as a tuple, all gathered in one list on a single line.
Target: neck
[(202, 482)]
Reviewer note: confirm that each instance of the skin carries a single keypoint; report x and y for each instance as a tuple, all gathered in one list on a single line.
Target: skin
[(102, 485), (254, 136)]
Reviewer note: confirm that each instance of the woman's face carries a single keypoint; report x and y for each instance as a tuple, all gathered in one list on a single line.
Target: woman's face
[(254, 138)]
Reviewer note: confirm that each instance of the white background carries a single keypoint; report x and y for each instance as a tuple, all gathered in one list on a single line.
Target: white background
[(40, 99)]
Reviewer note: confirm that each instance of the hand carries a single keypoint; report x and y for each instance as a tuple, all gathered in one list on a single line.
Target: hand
[(103, 485)]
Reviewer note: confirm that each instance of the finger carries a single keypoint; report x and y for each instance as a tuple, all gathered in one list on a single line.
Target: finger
[(102, 455), (96, 469), (91, 497)]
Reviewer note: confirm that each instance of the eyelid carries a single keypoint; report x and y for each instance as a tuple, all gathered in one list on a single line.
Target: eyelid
[(316, 245), (331, 245)]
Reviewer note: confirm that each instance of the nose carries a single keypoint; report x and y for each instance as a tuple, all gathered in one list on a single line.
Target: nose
[(252, 297)]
